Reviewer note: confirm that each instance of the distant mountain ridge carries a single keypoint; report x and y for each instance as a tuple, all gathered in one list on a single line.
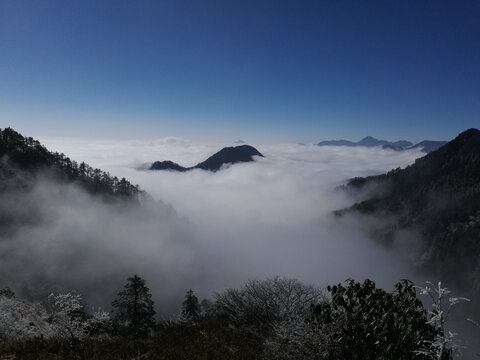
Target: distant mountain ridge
[(227, 155), (427, 146), (438, 196)]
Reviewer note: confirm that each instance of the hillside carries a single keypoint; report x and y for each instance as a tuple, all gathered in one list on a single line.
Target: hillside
[(439, 195), (227, 155), (23, 159)]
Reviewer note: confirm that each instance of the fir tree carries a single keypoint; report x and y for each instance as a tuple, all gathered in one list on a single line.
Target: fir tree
[(133, 309), (190, 307)]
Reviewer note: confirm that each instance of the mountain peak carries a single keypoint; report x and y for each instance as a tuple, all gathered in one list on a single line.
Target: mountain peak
[(400, 145), (462, 148), (468, 134), (227, 155), (167, 165), (371, 141), (235, 154)]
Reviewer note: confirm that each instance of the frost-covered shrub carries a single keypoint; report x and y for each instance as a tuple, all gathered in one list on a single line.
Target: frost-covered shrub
[(70, 321), (445, 345), (20, 319), (276, 310), (261, 302), (296, 338), (64, 319)]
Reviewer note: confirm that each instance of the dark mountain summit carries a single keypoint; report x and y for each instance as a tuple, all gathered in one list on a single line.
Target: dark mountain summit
[(228, 155), (369, 141), (439, 195), (167, 165)]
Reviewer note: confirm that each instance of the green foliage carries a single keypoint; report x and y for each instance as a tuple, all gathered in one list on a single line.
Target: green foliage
[(133, 309), (371, 323)]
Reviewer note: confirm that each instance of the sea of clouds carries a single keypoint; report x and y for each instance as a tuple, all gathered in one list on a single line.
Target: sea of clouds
[(208, 231)]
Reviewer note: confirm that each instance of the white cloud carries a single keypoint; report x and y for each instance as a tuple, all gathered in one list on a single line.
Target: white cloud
[(271, 217)]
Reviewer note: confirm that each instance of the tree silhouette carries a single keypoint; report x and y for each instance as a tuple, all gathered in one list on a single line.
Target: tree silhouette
[(133, 309), (190, 307)]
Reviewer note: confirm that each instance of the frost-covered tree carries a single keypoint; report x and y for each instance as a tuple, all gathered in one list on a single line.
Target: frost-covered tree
[(99, 324), (296, 338), (274, 311), (261, 302), (21, 319), (64, 318), (67, 315), (445, 345), (133, 309)]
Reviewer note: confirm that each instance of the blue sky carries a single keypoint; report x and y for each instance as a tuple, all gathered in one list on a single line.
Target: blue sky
[(227, 70)]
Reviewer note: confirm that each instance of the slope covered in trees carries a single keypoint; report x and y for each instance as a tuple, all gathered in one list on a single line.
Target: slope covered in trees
[(439, 195), (24, 158), (62, 221)]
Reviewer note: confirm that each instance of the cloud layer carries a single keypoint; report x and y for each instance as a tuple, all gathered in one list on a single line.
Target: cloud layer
[(252, 220)]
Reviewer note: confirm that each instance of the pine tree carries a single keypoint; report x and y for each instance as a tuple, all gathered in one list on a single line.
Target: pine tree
[(190, 307), (133, 309)]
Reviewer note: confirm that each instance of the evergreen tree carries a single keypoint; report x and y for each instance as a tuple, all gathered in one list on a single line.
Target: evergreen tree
[(133, 309), (190, 307)]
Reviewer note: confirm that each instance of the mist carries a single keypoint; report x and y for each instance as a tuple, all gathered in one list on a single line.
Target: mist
[(205, 231)]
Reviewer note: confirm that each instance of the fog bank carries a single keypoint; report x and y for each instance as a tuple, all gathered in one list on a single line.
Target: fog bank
[(251, 220)]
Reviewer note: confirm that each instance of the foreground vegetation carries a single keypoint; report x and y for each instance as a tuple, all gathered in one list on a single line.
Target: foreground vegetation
[(269, 319)]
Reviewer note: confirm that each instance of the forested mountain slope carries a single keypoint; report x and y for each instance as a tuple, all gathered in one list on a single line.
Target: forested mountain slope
[(440, 196), (23, 158)]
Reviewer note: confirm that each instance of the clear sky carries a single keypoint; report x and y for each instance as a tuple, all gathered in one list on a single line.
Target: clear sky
[(254, 70)]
